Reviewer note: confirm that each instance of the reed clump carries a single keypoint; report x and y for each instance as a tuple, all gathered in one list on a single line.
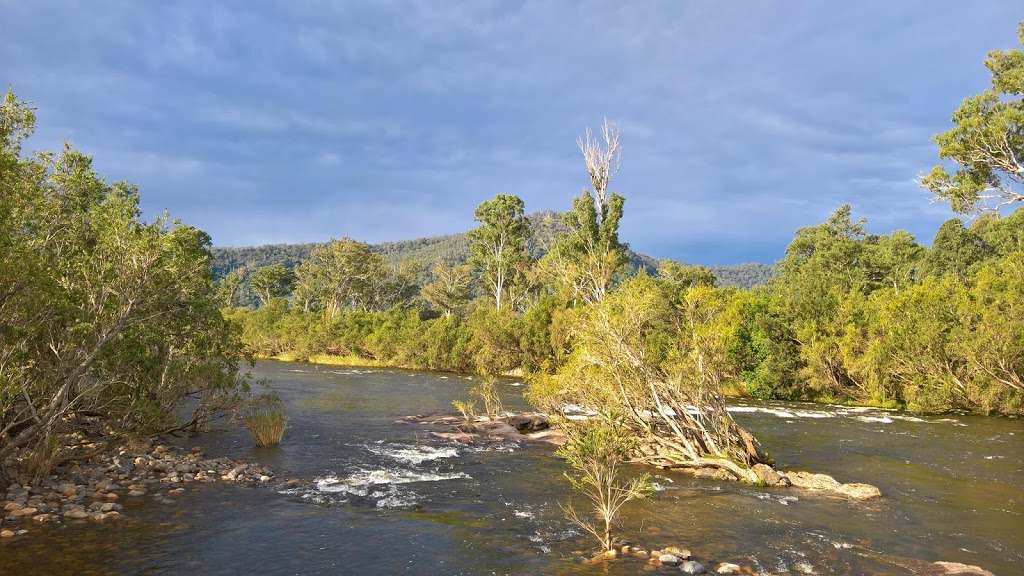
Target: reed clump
[(266, 421)]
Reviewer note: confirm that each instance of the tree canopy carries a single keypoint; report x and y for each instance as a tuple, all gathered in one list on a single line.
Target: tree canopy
[(987, 141)]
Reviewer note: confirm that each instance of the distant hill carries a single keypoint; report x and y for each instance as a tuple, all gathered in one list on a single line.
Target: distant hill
[(455, 248)]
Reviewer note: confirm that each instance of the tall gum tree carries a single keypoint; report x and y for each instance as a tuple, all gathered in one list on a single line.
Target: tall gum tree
[(987, 141), (590, 254), (499, 245)]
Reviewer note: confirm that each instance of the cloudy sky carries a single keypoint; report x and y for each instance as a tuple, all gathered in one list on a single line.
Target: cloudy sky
[(298, 121)]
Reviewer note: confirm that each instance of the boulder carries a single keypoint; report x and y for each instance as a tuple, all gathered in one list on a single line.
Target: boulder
[(767, 475), (824, 482), (691, 567), (526, 423), (669, 559)]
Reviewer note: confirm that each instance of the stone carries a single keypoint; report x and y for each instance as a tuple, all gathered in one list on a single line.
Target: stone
[(41, 517), (669, 559), (264, 478), (136, 493), (27, 511), (12, 506), (727, 568), (956, 568), (691, 567), (67, 490), (681, 553), (641, 553), (76, 514), (767, 475), (6, 533)]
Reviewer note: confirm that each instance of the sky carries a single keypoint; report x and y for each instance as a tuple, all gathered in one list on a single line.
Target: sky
[(271, 122)]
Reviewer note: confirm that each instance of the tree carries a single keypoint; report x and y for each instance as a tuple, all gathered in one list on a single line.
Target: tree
[(657, 354), (227, 287), (987, 141), (498, 246), (271, 282), (100, 312), (449, 291), (596, 450), (955, 250), (341, 274), (684, 275), (590, 253)]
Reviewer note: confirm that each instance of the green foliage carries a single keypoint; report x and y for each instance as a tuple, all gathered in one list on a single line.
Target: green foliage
[(487, 392), (99, 310), (271, 282), (596, 450), (498, 246), (987, 141)]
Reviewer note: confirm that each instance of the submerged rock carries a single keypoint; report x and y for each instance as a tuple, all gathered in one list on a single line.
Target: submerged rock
[(691, 567), (956, 568), (824, 482)]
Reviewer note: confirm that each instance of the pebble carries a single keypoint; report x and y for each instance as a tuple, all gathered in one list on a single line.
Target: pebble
[(6, 533)]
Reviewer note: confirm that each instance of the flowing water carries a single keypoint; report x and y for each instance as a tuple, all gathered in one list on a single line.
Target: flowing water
[(384, 498)]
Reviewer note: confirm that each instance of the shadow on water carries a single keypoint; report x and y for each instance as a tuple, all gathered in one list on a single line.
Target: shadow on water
[(382, 498)]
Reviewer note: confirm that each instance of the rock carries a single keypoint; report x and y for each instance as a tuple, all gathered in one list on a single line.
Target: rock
[(12, 506), (264, 478), (859, 491), (767, 474), (67, 490), (526, 423), (669, 559), (691, 567), (6, 533), (727, 568), (641, 554), (957, 568), (135, 493), (42, 517), (21, 532), (824, 482), (681, 553), (27, 511), (76, 514)]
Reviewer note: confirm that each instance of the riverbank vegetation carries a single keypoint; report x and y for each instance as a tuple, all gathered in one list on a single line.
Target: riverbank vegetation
[(104, 316)]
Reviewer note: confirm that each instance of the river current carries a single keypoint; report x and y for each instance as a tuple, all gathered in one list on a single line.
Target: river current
[(378, 497)]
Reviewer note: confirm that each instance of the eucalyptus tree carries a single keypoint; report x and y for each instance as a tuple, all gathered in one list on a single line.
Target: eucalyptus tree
[(589, 253), (987, 141), (449, 292), (271, 282), (499, 245), (341, 274)]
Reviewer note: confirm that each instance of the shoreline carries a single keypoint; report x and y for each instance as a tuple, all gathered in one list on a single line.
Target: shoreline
[(96, 488)]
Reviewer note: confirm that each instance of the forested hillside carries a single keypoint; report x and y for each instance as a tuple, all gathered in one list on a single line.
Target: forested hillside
[(454, 249)]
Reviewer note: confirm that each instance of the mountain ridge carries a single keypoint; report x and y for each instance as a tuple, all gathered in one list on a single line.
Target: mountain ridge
[(454, 248)]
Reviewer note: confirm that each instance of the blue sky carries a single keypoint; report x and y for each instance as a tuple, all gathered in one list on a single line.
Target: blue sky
[(298, 121)]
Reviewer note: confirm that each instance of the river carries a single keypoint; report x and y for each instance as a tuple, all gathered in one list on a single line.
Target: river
[(384, 498)]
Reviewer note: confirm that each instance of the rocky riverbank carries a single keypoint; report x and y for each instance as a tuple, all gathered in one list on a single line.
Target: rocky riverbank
[(97, 488), (679, 559)]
